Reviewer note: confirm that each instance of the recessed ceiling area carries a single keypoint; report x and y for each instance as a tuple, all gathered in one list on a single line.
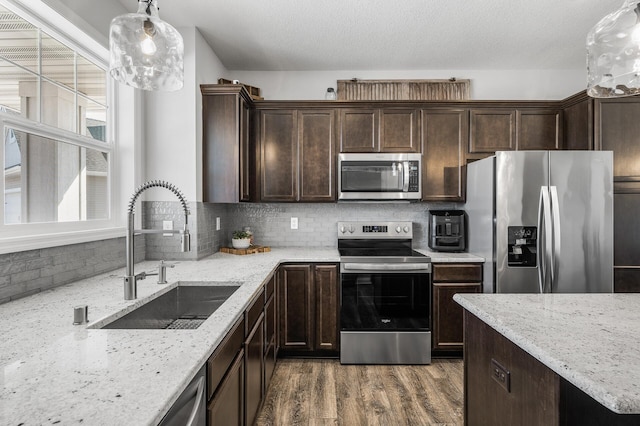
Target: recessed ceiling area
[(391, 35)]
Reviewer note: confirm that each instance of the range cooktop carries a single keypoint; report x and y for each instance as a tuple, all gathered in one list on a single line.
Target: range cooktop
[(377, 242)]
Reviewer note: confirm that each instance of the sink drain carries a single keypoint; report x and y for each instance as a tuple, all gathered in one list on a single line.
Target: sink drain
[(185, 324)]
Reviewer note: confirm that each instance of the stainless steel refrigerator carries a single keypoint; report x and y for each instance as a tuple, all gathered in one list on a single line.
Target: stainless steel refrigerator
[(543, 220)]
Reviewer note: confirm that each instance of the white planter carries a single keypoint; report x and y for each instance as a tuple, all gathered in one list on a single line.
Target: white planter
[(240, 243)]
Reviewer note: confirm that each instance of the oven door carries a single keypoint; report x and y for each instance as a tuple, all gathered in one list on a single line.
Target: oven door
[(385, 314)]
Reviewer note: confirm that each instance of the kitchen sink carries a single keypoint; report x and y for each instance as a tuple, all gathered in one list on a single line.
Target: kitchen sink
[(183, 307)]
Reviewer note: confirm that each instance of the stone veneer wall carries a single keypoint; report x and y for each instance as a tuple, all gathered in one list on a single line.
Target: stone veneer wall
[(29, 272)]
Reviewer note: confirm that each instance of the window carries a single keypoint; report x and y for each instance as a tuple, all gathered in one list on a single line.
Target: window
[(56, 127)]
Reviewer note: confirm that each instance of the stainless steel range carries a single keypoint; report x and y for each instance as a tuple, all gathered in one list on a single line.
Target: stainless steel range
[(385, 295)]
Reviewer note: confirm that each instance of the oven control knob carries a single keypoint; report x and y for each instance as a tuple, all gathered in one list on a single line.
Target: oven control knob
[(352, 229), (343, 229), (405, 229), (398, 229)]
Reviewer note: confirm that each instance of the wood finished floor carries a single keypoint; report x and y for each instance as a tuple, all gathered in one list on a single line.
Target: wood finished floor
[(323, 392)]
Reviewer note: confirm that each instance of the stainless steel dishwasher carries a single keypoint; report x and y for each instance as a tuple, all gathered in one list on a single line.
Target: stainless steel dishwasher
[(191, 407)]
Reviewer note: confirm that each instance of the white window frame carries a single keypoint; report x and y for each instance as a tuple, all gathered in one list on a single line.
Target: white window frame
[(29, 236)]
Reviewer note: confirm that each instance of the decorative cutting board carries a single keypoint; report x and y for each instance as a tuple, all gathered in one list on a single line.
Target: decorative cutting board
[(249, 250)]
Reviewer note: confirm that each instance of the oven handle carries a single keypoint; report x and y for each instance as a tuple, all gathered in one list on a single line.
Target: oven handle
[(422, 267)]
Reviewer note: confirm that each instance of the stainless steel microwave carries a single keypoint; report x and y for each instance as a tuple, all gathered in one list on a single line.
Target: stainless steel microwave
[(379, 176)]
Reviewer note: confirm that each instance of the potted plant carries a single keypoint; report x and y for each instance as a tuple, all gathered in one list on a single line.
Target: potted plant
[(241, 239)]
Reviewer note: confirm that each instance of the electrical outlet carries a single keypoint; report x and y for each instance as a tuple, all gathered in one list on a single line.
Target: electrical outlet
[(167, 225), (294, 223), (217, 223)]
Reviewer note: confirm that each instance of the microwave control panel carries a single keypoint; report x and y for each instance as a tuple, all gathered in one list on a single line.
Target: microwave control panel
[(414, 176)]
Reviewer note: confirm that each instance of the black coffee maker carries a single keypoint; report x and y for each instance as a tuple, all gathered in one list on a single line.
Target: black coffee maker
[(447, 230)]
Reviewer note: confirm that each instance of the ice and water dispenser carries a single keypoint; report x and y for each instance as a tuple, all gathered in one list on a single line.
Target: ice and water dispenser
[(523, 242)]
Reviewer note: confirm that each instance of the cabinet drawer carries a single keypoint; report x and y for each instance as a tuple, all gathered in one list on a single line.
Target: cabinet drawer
[(219, 362), (253, 312), (457, 272)]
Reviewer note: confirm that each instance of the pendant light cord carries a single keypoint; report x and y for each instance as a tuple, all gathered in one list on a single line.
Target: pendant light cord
[(148, 10)]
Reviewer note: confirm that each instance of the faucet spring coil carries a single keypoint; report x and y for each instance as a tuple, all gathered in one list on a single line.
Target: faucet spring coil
[(160, 184)]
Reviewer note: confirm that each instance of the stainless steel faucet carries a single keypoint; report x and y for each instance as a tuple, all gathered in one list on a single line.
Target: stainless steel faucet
[(130, 278)]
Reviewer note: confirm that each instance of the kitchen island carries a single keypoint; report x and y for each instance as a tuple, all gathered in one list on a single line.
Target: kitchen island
[(553, 359)]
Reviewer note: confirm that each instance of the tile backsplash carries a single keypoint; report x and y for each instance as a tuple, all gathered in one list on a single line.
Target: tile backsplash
[(317, 223)]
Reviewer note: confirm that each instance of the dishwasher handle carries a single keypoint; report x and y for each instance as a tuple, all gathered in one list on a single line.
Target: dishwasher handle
[(193, 417), (189, 410)]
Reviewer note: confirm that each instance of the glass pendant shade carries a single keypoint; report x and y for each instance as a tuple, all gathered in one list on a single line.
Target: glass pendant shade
[(146, 52), (613, 53)]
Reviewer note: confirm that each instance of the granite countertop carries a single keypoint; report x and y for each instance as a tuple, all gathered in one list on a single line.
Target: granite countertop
[(55, 372), (590, 340), (446, 257)]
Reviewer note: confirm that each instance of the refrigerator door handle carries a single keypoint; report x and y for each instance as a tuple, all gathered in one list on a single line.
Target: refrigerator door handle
[(555, 254), (544, 238), (540, 242)]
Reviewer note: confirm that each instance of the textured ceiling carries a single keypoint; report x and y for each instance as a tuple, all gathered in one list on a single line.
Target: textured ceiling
[(391, 34)]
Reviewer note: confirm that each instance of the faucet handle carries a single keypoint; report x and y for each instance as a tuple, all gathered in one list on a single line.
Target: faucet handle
[(162, 271)]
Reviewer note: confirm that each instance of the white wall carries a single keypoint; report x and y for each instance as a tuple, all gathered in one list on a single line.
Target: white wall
[(485, 84), (90, 16), (208, 70), (173, 123)]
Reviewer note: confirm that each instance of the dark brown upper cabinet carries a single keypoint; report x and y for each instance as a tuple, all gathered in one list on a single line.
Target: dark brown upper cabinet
[(617, 128), (278, 155), (539, 129), (359, 130), (379, 130), (317, 157), (228, 167), (445, 133), (507, 129), (577, 121), (399, 131), (297, 155), (492, 130)]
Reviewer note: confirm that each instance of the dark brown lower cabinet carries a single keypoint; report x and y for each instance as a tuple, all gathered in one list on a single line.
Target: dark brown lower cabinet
[(225, 380), (447, 319), (270, 352), (227, 406), (254, 369), (308, 304), (504, 385), (240, 369), (626, 247)]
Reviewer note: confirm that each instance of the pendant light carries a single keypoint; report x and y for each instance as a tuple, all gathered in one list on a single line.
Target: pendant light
[(146, 52), (613, 53)]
